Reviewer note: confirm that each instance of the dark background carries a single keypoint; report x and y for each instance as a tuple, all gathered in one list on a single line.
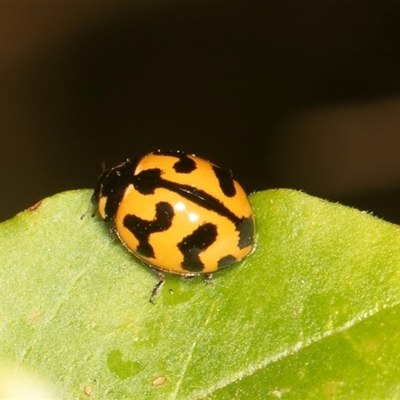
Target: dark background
[(300, 94)]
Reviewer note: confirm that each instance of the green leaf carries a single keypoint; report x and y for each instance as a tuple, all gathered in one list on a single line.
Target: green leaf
[(313, 312)]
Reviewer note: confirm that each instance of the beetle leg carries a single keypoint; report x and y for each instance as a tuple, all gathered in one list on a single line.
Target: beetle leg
[(208, 280), (189, 276), (159, 284)]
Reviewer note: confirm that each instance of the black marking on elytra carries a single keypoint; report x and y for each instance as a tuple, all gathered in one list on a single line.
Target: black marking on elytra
[(246, 232), (142, 228), (192, 245), (150, 179), (185, 165), (112, 184), (225, 181), (147, 181), (226, 261)]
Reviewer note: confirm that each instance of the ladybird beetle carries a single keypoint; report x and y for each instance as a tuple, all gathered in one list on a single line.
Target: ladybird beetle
[(177, 213)]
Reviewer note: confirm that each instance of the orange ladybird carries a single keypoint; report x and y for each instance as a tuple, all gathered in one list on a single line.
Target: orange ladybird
[(177, 213)]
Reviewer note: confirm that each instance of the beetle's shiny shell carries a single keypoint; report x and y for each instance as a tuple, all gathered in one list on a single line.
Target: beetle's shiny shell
[(177, 212)]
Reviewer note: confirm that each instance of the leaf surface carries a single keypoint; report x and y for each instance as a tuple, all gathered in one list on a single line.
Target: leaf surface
[(313, 312)]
